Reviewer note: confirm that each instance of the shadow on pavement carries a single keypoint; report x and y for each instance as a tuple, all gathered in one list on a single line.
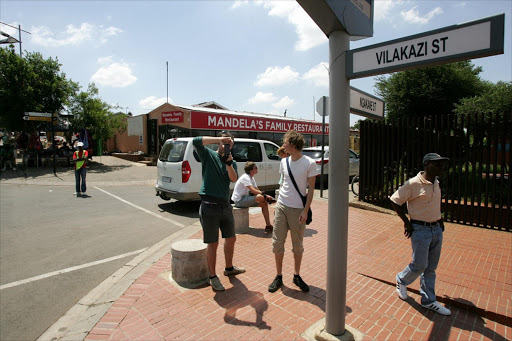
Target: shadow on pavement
[(460, 318), (181, 208), (238, 297)]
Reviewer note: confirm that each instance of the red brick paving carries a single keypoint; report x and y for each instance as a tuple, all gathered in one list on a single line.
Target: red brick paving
[(474, 279)]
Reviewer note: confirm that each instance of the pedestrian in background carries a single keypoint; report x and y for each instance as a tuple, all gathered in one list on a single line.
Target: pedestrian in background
[(215, 212), (290, 212), (80, 158), (425, 228), (247, 194)]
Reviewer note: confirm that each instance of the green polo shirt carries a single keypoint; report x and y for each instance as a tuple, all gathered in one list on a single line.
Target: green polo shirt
[(215, 175)]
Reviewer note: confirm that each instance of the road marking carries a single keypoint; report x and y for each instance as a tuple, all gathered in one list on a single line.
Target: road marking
[(141, 208), (73, 268)]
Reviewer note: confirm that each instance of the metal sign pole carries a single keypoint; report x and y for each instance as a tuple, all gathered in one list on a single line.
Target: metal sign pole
[(339, 93)]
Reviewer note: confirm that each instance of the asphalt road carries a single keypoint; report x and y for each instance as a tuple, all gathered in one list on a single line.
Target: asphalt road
[(45, 229)]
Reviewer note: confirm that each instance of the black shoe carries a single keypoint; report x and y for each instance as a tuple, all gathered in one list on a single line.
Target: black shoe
[(297, 280), (276, 284)]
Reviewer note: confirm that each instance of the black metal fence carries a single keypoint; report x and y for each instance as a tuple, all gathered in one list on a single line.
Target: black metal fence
[(476, 185)]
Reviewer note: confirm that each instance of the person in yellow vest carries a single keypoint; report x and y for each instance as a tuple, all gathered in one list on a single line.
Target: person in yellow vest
[(80, 158)]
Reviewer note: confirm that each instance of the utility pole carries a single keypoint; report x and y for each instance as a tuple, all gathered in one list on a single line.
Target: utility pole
[(167, 63)]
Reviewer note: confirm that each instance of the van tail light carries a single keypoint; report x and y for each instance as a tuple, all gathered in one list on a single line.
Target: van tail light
[(319, 162), (185, 171)]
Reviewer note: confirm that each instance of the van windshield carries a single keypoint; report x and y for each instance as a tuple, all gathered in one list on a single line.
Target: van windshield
[(173, 151)]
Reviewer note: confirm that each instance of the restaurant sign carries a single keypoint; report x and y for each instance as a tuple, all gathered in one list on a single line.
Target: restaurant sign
[(214, 121), (172, 117)]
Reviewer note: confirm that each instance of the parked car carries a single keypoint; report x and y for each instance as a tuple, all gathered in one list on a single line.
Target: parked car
[(179, 174), (316, 154)]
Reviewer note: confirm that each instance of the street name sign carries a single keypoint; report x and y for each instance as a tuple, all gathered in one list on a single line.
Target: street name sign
[(38, 114), (364, 104), (361, 103), (480, 38)]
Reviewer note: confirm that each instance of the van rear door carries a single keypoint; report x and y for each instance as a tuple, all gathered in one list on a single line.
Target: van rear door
[(171, 170)]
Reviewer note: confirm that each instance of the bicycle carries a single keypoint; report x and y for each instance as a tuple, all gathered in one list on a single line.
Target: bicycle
[(354, 185)]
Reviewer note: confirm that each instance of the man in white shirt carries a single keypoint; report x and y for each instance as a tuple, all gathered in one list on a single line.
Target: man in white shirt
[(247, 194), (290, 211)]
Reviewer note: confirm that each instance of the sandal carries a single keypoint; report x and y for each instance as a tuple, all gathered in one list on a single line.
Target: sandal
[(269, 228)]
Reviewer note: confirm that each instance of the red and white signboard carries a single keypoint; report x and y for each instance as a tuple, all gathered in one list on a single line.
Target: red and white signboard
[(214, 121), (172, 117)]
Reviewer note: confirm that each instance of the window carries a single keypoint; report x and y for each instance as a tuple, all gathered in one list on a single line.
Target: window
[(271, 151), (247, 151), (352, 155), (173, 151)]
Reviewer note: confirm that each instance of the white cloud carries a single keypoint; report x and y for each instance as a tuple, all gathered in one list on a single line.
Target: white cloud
[(114, 74), (44, 36), (319, 75), (274, 76), (308, 32), (262, 97), (153, 102), (412, 16), (284, 103)]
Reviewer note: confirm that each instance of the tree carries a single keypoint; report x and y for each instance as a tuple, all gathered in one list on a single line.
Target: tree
[(430, 90), (496, 99), (31, 83), (90, 112)]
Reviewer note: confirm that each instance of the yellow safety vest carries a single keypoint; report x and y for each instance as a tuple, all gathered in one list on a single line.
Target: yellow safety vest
[(79, 164)]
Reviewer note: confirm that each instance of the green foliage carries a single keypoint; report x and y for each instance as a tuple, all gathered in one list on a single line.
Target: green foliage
[(496, 99), (431, 90), (31, 83), (92, 113)]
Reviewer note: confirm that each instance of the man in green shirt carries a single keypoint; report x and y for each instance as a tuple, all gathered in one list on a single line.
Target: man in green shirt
[(215, 212)]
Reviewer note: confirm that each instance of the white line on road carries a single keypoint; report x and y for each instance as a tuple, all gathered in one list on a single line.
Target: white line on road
[(142, 209), (73, 268)]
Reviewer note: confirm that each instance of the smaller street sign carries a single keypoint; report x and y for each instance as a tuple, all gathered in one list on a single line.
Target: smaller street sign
[(364, 104), (480, 38), (361, 103), (38, 114)]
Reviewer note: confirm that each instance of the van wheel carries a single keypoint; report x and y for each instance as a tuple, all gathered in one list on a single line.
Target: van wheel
[(163, 196)]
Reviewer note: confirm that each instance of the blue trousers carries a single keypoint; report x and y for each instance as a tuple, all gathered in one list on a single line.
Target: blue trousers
[(426, 245), (80, 177)]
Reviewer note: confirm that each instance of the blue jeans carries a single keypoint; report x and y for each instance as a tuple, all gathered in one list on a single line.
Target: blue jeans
[(80, 175), (426, 245)]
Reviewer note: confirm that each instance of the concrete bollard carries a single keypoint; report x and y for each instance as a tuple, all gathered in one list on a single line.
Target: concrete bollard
[(189, 266), (241, 216)]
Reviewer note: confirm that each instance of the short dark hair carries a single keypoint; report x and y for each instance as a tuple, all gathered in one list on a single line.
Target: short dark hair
[(249, 166), (225, 133), (294, 138)]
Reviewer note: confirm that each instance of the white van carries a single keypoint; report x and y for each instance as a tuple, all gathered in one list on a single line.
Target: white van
[(179, 168)]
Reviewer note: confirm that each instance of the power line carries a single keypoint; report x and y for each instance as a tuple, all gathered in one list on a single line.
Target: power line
[(15, 27)]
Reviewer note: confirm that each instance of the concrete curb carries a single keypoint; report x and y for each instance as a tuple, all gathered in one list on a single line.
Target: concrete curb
[(76, 323)]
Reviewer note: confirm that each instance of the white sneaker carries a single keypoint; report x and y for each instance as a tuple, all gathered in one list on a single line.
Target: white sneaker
[(438, 308), (401, 290)]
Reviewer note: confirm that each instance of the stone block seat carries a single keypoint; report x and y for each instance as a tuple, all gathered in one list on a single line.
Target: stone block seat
[(241, 216), (189, 267)]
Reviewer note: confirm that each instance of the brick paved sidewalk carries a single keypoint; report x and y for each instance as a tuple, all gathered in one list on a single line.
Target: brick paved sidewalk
[(474, 280)]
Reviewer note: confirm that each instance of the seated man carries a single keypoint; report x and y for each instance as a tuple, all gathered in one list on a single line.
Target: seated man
[(247, 194)]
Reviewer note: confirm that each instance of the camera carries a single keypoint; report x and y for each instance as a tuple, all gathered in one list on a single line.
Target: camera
[(227, 151)]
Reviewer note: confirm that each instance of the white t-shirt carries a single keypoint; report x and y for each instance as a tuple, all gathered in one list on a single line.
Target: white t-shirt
[(241, 189), (302, 169)]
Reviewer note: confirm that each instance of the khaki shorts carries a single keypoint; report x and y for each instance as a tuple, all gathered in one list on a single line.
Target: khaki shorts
[(287, 218)]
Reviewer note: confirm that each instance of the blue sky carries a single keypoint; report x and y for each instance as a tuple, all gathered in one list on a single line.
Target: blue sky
[(258, 56)]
